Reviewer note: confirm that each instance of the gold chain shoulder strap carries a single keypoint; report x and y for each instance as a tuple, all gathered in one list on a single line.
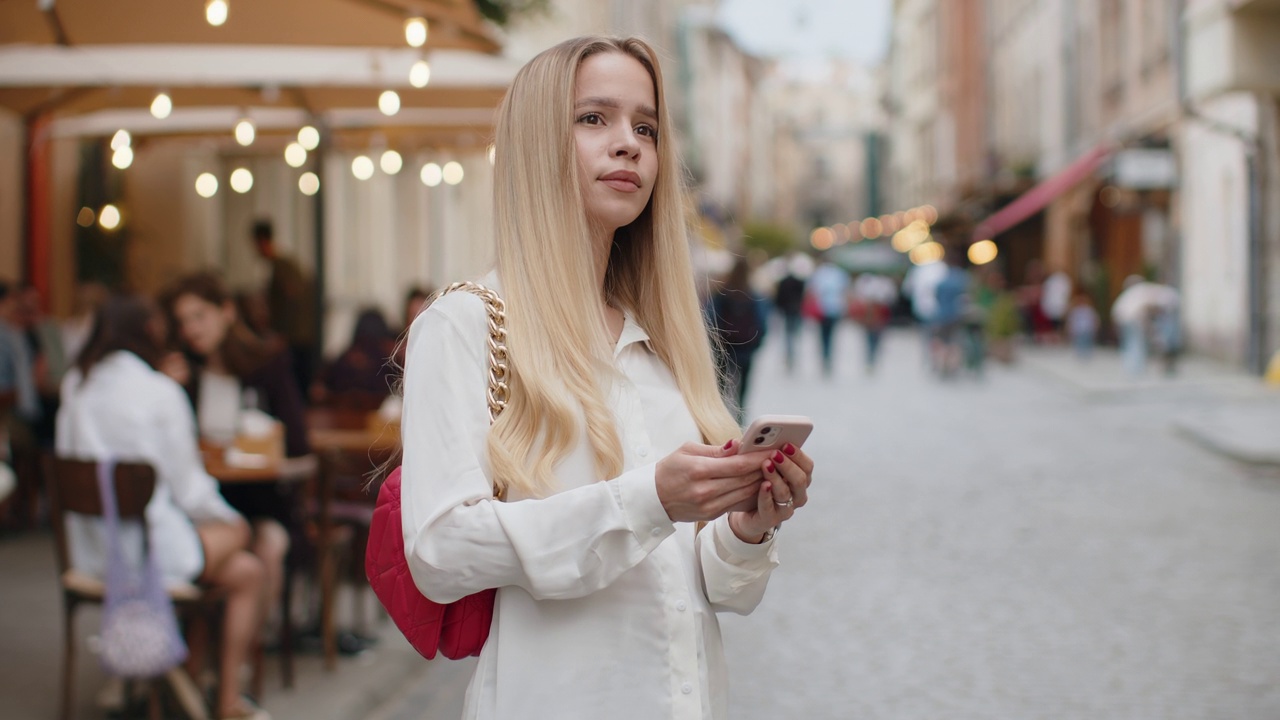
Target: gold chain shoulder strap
[(497, 311)]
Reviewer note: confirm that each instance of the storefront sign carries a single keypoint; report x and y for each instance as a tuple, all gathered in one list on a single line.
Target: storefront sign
[(1144, 169)]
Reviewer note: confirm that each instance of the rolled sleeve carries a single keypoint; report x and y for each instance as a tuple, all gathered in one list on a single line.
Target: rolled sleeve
[(636, 492), (735, 574)]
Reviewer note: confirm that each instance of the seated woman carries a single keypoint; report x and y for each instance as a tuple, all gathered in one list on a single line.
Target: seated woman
[(229, 370), (363, 371), (115, 404)]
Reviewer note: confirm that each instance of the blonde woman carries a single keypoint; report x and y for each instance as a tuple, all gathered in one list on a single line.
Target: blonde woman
[(615, 445)]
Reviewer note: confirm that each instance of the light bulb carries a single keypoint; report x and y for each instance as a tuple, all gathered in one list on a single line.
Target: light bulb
[(391, 162), (420, 74), (309, 137), (309, 183), (415, 31), (86, 217), (161, 106), (123, 157), (295, 155), (389, 102), (431, 175), (983, 252), (452, 173), (121, 139), (109, 217), (206, 185), (241, 180), (362, 167), (245, 132), (215, 12)]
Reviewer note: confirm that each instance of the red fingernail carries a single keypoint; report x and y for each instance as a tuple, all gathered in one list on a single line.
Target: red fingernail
[(789, 449), (768, 487), (768, 467), (777, 457), (728, 445)]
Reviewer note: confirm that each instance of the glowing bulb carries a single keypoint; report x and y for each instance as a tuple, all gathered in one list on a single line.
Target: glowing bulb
[(295, 155), (123, 157), (206, 185), (86, 217), (215, 11), (420, 74), (161, 106), (241, 180), (389, 102), (493, 154), (109, 217), (391, 162), (415, 31), (245, 132), (432, 175), (309, 137), (983, 252), (309, 183), (927, 253), (121, 139), (452, 173), (362, 167)]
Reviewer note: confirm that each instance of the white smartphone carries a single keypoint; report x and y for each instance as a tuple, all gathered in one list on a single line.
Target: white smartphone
[(771, 432)]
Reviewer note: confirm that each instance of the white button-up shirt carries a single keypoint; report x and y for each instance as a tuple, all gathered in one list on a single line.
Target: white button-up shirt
[(606, 608), (127, 411)]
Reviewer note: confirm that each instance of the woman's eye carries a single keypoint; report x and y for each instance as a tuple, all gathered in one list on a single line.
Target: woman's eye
[(591, 119), (647, 130)]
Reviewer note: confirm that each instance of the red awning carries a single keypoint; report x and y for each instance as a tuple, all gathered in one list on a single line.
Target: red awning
[(1035, 199)]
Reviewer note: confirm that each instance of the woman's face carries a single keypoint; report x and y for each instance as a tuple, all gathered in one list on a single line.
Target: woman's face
[(615, 132), (202, 324)]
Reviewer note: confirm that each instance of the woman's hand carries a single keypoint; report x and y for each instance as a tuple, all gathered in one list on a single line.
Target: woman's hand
[(788, 474), (701, 482)]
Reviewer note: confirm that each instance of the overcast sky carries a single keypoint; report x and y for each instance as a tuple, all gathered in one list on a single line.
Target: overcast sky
[(857, 29)]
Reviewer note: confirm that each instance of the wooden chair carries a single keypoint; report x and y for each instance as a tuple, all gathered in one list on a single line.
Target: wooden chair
[(73, 487)]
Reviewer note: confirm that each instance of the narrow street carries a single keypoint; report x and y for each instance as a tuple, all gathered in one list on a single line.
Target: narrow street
[(996, 549)]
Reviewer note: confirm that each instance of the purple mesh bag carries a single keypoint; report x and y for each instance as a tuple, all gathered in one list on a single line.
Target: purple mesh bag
[(140, 637)]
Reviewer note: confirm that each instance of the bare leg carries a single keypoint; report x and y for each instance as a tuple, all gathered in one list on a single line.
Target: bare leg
[(233, 568), (271, 544)]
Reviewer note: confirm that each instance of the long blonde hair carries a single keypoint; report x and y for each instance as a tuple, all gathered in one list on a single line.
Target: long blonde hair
[(559, 350)]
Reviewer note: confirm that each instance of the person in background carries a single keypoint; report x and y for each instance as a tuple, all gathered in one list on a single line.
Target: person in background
[(415, 301), (17, 367), (1055, 301), (364, 368), (1082, 326), (115, 404), (229, 370), (292, 302), (738, 317), (921, 285), (829, 286), (952, 297), (873, 299), (788, 298)]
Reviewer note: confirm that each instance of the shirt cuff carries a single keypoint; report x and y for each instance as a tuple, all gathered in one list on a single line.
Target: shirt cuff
[(637, 493), (726, 538)]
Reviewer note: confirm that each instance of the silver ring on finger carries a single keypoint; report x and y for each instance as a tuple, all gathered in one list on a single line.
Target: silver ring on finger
[(788, 503)]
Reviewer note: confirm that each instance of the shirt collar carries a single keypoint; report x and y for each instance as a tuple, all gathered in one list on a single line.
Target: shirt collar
[(631, 333)]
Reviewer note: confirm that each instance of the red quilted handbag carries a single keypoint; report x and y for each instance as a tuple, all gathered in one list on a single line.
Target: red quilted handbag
[(460, 628)]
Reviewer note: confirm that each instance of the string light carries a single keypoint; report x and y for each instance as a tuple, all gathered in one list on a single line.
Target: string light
[(432, 175), (983, 252), (362, 167), (161, 106), (391, 162), (420, 74), (415, 31), (241, 180), (452, 172), (245, 132), (295, 155), (215, 12), (309, 137), (206, 185), (86, 217), (121, 139), (389, 102), (123, 157), (109, 217), (309, 183)]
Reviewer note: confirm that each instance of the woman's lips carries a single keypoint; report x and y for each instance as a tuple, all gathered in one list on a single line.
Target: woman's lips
[(622, 185)]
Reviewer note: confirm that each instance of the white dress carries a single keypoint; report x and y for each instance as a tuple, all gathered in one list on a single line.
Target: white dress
[(127, 411), (606, 608)]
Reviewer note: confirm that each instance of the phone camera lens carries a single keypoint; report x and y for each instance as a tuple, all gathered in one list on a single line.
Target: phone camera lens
[(759, 440), (766, 430)]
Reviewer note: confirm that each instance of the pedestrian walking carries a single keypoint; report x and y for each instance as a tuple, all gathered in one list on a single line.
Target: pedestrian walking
[(788, 297), (1082, 326), (873, 298), (1134, 312), (614, 444), (829, 288)]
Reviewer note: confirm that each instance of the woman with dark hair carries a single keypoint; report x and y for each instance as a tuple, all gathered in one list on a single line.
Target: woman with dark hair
[(231, 370), (115, 404), (364, 368), (738, 318)]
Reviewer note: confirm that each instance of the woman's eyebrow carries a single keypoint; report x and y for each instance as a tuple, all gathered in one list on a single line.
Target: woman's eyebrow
[(612, 103)]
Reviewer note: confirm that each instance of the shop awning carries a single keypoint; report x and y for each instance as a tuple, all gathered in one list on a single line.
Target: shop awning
[(1035, 199)]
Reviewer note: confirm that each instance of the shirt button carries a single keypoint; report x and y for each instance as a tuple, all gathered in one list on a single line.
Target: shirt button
[(681, 606), (686, 688), (642, 451), (656, 532)]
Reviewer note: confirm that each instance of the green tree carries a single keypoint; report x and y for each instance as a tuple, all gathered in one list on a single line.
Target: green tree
[(773, 239)]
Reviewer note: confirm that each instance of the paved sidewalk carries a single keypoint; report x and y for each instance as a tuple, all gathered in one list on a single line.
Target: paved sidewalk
[(1221, 408)]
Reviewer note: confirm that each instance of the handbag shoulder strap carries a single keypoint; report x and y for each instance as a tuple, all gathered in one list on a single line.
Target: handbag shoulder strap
[(497, 341)]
